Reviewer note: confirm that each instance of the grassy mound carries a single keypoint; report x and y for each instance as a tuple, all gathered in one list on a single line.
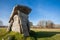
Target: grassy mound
[(16, 36), (34, 35), (12, 35)]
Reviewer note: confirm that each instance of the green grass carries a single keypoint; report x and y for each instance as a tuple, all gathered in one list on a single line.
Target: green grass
[(34, 35), (43, 35)]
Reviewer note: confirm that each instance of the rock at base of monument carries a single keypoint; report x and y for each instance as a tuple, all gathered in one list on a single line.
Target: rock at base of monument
[(8, 30), (26, 35), (16, 29)]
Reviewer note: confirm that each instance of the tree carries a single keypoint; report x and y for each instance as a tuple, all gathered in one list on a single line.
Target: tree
[(49, 24), (1, 23), (31, 24), (42, 24), (45, 24)]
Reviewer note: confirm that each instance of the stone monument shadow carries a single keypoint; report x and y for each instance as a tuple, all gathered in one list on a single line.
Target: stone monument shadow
[(42, 34)]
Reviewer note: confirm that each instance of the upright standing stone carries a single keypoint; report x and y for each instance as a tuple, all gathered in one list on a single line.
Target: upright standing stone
[(10, 25), (20, 21)]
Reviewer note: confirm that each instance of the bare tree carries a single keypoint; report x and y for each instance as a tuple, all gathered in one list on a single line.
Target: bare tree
[(1, 23), (42, 24), (49, 24), (45, 24), (31, 24)]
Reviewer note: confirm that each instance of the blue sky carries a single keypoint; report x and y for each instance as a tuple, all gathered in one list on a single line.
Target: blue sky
[(41, 10)]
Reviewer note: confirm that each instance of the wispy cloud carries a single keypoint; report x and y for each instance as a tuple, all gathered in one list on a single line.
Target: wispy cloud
[(48, 14)]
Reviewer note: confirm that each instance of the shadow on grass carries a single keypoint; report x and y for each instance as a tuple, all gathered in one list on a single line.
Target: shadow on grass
[(42, 34)]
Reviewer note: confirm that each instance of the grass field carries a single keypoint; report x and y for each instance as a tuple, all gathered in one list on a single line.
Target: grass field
[(35, 34), (45, 29), (47, 34)]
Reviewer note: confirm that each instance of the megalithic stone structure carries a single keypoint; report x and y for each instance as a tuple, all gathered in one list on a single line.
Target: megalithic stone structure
[(19, 20)]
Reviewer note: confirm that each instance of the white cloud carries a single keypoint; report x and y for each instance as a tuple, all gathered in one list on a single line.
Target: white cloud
[(48, 14), (4, 20)]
